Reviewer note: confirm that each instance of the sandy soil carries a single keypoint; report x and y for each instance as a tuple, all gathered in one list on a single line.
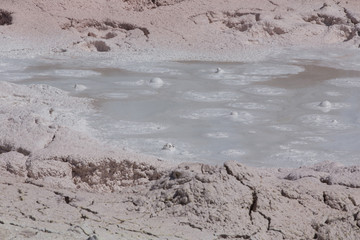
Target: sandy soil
[(58, 183)]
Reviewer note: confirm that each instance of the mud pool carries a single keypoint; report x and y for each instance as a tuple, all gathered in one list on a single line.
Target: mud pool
[(293, 108)]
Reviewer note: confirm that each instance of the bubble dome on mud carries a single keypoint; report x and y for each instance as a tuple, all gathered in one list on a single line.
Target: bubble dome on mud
[(214, 111), (156, 82)]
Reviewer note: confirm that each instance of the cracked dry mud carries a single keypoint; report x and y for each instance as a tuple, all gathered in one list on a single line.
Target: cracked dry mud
[(67, 186), (191, 201)]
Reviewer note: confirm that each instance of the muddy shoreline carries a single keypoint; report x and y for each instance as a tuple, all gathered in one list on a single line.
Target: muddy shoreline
[(58, 183)]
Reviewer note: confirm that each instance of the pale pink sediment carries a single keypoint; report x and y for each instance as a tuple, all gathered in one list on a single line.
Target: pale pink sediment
[(177, 30), (58, 183)]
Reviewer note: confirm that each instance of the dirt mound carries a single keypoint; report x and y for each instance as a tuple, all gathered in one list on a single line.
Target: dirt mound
[(141, 5), (5, 17), (102, 36)]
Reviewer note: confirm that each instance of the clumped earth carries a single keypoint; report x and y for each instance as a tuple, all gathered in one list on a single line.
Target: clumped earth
[(5, 17), (92, 31), (141, 5), (67, 185), (101, 46)]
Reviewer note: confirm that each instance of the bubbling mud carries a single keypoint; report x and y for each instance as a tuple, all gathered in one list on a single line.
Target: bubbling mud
[(288, 110)]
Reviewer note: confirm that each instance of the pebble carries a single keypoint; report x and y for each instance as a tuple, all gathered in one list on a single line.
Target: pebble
[(357, 217), (93, 237)]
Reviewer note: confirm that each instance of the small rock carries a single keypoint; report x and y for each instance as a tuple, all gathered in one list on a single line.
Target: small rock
[(181, 196), (177, 174), (93, 237), (357, 216), (91, 34), (139, 202)]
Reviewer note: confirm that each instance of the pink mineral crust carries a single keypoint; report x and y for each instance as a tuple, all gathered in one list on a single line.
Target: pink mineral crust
[(57, 182), (177, 29)]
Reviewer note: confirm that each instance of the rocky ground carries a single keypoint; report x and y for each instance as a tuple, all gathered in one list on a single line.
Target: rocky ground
[(58, 183)]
